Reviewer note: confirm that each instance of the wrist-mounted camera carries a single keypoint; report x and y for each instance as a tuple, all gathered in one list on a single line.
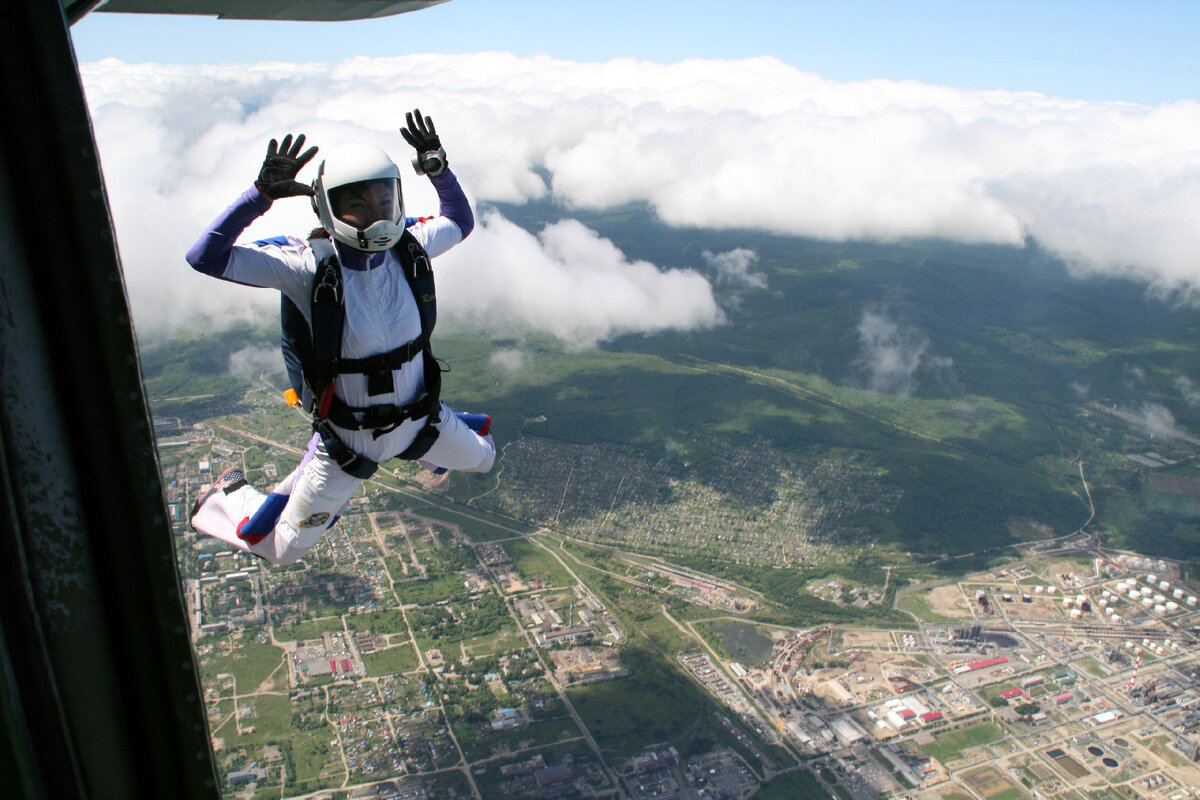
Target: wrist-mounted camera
[(430, 162)]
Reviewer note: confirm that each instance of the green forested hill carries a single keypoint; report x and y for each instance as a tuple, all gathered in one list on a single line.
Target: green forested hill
[(1019, 352), (762, 440)]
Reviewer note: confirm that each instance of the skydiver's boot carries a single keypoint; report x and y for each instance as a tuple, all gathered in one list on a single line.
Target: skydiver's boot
[(228, 482), (480, 423)]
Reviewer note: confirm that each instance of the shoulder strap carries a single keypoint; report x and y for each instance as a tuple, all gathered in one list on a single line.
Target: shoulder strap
[(295, 340), (328, 318), (418, 269)]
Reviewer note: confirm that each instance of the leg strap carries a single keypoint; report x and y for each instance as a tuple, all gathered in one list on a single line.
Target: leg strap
[(350, 462)]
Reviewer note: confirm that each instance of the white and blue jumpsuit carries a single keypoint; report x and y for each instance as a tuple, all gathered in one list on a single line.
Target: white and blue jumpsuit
[(381, 315)]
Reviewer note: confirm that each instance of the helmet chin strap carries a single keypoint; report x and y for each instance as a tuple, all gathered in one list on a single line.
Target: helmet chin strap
[(366, 237)]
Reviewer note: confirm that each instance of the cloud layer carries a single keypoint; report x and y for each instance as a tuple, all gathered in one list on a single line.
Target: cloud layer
[(1111, 187), (568, 282)]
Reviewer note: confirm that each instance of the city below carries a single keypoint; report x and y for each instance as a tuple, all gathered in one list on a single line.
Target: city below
[(427, 649)]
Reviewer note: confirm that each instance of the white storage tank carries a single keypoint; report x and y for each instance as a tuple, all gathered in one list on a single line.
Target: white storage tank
[(1191, 601), (1172, 606), (1177, 593)]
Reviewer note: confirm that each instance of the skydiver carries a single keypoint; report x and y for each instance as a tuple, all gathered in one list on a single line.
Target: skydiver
[(375, 395)]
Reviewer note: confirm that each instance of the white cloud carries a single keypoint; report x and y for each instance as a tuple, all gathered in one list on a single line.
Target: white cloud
[(891, 353), (250, 362), (566, 281), (510, 362), (1138, 374), (733, 268), (1188, 390), (1112, 187), (1158, 421)]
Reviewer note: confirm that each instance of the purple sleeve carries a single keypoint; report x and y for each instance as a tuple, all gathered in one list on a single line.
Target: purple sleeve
[(210, 254), (453, 203)]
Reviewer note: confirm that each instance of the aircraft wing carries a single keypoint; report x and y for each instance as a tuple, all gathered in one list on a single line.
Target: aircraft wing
[(305, 10)]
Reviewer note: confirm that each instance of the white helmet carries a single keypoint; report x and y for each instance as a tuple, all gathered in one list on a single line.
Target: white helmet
[(364, 174)]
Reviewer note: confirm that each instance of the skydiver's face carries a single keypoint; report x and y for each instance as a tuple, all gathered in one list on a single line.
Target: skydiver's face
[(360, 204)]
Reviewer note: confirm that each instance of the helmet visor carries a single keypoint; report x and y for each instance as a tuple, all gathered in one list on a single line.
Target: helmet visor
[(365, 202)]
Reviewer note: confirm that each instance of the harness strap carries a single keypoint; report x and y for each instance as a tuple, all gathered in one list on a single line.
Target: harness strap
[(382, 418), (328, 318), (424, 440), (350, 462), (328, 315), (393, 359), (378, 368)]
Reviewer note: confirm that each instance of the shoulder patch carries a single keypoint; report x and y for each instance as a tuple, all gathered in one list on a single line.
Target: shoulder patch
[(279, 241)]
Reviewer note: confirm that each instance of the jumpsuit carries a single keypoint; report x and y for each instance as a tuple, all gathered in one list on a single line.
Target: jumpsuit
[(381, 315)]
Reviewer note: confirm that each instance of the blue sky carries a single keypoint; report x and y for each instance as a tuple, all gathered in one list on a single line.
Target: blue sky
[(1145, 52)]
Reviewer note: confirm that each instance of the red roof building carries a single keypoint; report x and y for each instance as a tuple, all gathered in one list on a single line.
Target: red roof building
[(990, 662)]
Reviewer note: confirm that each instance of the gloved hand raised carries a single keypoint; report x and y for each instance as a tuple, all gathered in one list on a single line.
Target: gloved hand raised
[(277, 178), (430, 158)]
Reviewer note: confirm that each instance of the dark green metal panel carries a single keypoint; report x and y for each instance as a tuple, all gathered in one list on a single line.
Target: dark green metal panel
[(99, 694)]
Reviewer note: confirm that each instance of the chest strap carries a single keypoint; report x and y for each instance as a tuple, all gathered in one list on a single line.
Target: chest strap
[(379, 368), (391, 360)]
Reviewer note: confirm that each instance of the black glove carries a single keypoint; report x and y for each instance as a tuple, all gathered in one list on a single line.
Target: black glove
[(430, 158), (277, 178)]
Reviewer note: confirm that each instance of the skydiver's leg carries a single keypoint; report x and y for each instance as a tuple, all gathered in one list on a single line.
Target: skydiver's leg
[(321, 491), (480, 423), (285, 524), (224, 506), (459, 447)]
